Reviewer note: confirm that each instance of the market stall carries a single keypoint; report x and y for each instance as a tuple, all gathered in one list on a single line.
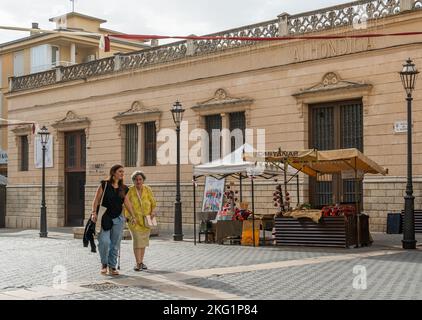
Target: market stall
[(336, 225), (234, 166)]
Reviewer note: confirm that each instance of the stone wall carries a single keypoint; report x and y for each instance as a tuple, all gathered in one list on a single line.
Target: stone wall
[(384, 196), (381, 196), (24, 203)]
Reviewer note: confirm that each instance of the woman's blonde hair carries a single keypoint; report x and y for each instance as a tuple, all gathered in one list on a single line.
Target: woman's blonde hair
[(138, 173)]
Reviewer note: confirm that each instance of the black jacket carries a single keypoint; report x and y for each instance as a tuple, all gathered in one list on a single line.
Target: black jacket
[(89, 235)]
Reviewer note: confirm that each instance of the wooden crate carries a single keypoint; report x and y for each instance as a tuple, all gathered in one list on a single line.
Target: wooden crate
[(330, 232), (418, 220)]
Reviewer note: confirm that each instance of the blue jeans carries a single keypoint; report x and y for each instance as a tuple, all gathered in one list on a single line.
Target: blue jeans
[(109, 242)]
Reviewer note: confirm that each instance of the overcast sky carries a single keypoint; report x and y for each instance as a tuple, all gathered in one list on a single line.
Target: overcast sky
[(164, 17)]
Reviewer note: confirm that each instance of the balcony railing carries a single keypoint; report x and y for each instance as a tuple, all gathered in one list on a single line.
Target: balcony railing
[(324, 19)]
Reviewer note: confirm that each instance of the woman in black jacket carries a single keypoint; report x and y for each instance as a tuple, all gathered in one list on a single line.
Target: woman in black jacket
[(113, 221)]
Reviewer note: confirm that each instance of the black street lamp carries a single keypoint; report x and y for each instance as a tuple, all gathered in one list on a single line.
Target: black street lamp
[(44, 136), (177, 111), (408, 77)]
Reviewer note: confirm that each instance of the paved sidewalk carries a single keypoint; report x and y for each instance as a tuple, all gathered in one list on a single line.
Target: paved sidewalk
[(33, 268)]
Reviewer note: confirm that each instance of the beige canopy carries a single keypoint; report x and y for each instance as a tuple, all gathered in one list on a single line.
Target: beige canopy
[(314, 162)]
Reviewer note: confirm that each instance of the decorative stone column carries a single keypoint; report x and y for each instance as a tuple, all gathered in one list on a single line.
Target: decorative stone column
[(283, 24), (406, 5), (190, 46), (73, 53)]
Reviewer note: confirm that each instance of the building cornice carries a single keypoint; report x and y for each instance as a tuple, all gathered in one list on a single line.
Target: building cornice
[(221, 100), (71, 122), (138, 113), (22, 130)]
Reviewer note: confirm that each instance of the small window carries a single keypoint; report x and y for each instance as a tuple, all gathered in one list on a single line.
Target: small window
[(18, 64), (213, 124), (55, 58), (150, 145), (24, 153), (237, 122), (131, 145)]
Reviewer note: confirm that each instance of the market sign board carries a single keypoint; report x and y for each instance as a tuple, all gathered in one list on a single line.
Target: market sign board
[(351, 174), (213, 195), (3, 157)]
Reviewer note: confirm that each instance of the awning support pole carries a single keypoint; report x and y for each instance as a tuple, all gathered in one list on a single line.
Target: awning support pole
[(298, 192), (253, 210), (357, 205), (240, 186), (194, 210)]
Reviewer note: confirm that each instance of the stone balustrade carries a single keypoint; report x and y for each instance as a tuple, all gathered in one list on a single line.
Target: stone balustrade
[(349, 14)]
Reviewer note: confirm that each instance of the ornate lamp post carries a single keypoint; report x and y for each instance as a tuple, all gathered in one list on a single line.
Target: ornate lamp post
[(44, 136), (177, 112), (408, 77)]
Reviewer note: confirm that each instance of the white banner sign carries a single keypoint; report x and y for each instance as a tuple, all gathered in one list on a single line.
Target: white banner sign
[(3, 157), (213, 195), (48, 153)]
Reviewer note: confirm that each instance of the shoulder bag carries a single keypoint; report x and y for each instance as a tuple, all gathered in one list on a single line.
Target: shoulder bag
[(101, 212)]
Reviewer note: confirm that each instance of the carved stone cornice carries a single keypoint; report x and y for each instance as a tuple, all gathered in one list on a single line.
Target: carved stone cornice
[(22, 130), (332, 88), (330, 82), (138, 113), (71, 121), (220, 102)]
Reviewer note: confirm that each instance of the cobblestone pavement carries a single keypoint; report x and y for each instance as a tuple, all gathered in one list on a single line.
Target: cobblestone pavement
[(32, 269)]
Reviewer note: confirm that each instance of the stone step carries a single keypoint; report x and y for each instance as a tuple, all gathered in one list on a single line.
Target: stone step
[(78, 233)]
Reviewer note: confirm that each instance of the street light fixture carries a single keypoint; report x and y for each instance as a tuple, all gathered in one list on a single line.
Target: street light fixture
[(44, 137), (408, 77), (177, 112)]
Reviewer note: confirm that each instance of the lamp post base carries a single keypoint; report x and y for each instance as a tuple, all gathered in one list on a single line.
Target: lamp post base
[(178, 233), (178, 237), (43, 234), (409, 244)]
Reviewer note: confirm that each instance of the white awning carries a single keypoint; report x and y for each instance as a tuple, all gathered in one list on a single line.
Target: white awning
[(234, 163)]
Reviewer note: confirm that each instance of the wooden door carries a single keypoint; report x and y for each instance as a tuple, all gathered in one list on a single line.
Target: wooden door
[(2, 206), (75, 177)]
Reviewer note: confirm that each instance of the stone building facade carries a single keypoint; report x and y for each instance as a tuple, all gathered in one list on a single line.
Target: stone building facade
[(277, 86)]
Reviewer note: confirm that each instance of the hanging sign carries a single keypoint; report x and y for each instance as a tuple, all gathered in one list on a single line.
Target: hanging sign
[(213, 195), (350, 174), (48, 153), (3, 157)]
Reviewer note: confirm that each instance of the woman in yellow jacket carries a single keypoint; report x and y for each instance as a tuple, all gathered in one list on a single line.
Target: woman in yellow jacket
[(143, 202)]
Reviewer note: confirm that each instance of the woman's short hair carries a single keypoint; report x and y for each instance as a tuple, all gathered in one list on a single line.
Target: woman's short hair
[(136, 174)]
